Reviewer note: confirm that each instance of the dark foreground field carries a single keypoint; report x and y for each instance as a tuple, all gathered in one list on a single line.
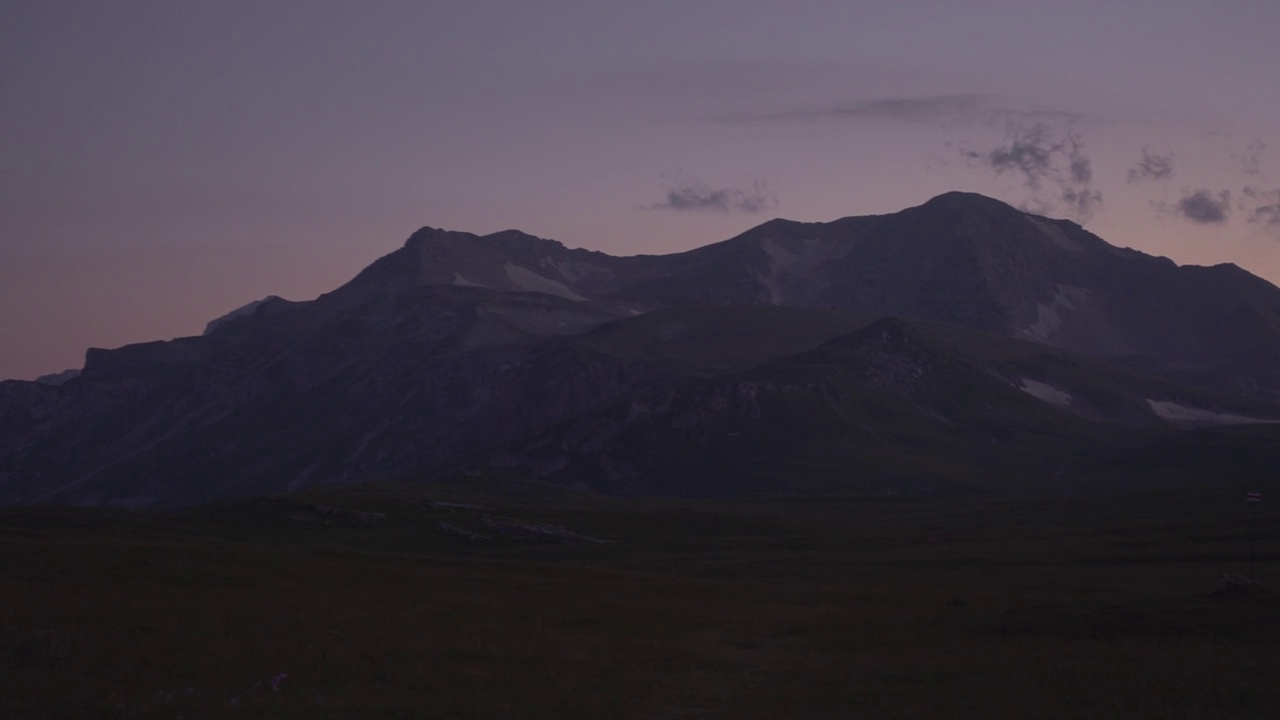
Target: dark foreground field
[(362, 604)]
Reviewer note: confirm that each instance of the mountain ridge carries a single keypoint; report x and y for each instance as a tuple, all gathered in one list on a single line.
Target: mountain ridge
[(512, 353), (960, 258)]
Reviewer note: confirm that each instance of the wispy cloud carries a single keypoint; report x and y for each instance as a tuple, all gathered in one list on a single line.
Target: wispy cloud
[(975, 108), (1042, 149), (905, 109), (1253, 157), (689, 194), (1029, 151), (1152, 166), (1255, 200), (1204, 207), (1052, 164), (1264, 207), (1039, 146), (1078, 193)]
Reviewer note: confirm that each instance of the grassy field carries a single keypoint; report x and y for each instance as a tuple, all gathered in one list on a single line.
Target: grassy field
[(376, 602)]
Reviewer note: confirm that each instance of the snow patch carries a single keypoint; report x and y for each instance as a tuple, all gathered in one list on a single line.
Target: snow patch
[(1056, 234), (1045, 392), (575, 271), (1181, 413), (531, 281), (458, 279), (779, 260), (238, 312), (1049, 317), (785, 264)]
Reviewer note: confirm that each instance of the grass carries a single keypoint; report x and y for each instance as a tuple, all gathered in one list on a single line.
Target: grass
[(759, 607)]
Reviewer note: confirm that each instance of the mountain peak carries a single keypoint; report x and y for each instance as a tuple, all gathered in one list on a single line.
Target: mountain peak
[(427, 234), (503, 238), (959, 200)]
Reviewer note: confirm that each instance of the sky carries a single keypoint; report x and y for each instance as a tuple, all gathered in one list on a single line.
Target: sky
[(166, 162)]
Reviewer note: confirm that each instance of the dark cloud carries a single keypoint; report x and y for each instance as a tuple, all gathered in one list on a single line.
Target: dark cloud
[(1052, 164), (1253, 157), (1202, 206), (1029, 152), (1152, 166), (691, 194)]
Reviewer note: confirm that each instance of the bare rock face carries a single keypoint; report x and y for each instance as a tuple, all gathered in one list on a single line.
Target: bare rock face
[(848, 349)]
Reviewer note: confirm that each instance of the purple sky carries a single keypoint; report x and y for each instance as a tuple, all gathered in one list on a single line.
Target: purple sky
[(165, 162)]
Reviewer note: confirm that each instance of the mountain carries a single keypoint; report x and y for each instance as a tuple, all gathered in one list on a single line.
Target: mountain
[(969, 260), (959, 346)]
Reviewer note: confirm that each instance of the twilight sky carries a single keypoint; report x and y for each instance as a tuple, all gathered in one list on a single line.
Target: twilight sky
[(165, 162)]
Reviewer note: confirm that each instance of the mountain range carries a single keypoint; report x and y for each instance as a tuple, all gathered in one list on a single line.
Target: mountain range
[(962, 346)]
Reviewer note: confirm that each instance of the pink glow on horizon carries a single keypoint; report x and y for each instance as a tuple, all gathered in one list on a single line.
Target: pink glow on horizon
[(168, 163)]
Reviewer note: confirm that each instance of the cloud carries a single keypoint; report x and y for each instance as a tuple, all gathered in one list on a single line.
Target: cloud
[(688, 194), (1253, 157), (1038, 146), (973, 108), (908, 109), (1264, 207), (1029, 152), (1052, 164), (1152, 167), (1268, 215), (1078, 193), (1201, 206)]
